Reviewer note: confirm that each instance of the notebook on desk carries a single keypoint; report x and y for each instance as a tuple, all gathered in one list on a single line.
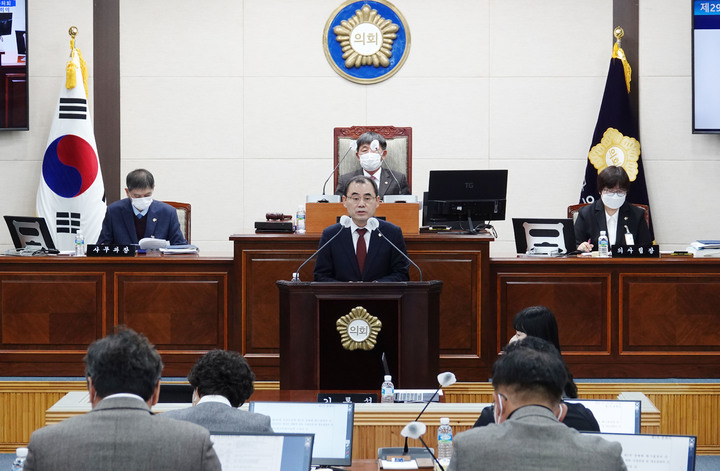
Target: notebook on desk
[(263, 452)]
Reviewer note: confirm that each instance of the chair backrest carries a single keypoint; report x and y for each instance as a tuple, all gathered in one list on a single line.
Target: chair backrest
[(574, 209), (399, 149), (183, 212)]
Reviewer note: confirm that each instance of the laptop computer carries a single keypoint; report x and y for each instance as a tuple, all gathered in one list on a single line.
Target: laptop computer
[(545, 237), (612, 415), (30, 232), (655, 452), (263, 451)]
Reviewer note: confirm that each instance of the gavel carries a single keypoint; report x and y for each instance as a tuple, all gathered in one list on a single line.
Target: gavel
[(277, 217)]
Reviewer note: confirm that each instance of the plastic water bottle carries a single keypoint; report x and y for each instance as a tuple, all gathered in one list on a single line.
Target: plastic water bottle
[(603, 245), (388, 390), (445, 436), (300, 220), (19, 463), (79, 244)]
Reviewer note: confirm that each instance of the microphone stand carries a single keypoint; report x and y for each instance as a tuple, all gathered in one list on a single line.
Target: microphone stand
[(344, 222), (403, 253), (405, 448), (352, 146)]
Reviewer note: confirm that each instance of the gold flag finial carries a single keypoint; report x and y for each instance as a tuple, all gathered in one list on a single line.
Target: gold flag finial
[(619, 32), (73, 31), (618, 53)]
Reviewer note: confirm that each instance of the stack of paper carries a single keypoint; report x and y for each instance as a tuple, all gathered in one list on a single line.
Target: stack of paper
[(180, 249), (705, 248)]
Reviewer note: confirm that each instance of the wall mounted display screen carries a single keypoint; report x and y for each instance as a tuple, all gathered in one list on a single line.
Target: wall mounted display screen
[(13, 65), (706, 66)]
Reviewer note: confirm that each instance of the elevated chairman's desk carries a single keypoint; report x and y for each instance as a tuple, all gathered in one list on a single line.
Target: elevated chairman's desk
[(618, 318)]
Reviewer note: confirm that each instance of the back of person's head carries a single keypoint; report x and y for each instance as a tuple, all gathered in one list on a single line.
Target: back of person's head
[(224, 373), (538, 321), (613, 176), (123, 362), (368, 137), (139, 179), (532, 369), (361, 179)]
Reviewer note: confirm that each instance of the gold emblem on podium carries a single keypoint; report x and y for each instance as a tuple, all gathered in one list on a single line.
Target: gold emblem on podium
[(358, 329)]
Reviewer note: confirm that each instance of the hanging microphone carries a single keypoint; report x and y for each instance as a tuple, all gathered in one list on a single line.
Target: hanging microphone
[(344, 222), (392, 174), (353, 146), (373, 224)]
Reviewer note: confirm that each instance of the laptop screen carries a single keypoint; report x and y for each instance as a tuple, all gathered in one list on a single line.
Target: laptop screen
[(29, 232), (655, 452), (613, 416), (263, 452)]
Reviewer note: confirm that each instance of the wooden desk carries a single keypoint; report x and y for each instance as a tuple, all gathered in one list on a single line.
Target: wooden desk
[(52, 308), (619, 318), (460, 261)]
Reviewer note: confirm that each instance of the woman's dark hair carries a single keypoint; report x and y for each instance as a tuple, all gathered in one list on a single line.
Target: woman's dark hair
[(224, 373), (613, 176), (539, 321)]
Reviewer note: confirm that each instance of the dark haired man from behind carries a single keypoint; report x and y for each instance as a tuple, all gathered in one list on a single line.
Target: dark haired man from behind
[(120, 432), (139, 216), (527, 435), (222, 381)]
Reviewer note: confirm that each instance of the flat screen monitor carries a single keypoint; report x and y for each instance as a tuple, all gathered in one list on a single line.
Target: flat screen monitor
[(263, 452), (30, 232), (332, 425), (541, 236), (613, 416), (5, 23), (655, 452), (14, 96), (460, 197), (705, 66)]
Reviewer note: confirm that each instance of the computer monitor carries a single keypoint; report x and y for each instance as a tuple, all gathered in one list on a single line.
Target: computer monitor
[(463, 198), (613, 416), (332, 425), (263, 452), (29, 232), (5, 23), (548, 237), (655, 452)]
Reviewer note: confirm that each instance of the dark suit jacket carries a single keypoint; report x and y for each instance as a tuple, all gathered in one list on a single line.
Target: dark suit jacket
[(532, 439), (578, 417), (338, 262), (591, 220), (218, 417), (386, 186), (118, 227), (120, 434)]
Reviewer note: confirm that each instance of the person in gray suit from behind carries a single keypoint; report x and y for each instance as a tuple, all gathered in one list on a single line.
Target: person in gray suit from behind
[(120, 432), (528, 380), (222, 381)]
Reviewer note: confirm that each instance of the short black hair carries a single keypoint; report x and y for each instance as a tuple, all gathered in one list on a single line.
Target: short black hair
[(368, 137), (538, 321), (613, 176), (533, 366), (224, 373), (139, 179), (123, 362), (361, 179)]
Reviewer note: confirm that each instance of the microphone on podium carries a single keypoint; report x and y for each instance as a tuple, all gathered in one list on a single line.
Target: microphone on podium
[(353, 146), (344, 223), (373, 224)]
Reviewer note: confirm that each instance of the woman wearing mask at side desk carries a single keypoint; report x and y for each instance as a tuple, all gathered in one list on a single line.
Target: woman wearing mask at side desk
[(623, 223), (539, 321)]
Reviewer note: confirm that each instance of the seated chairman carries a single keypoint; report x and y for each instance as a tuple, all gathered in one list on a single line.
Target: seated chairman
[(527, 435), (387, 181), (341, 260), (138, 216), (222, 381), (120, 433), (623, 222)]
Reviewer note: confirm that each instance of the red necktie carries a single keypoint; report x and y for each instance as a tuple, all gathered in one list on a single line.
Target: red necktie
[(361, 250)]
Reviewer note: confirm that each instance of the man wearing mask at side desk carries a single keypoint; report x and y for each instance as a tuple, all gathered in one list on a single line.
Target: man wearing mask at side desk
[(371, 152), (139, 216), (358, 251)]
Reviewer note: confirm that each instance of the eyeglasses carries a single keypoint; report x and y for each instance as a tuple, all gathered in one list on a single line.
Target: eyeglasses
[(614, 193), (365, 199)]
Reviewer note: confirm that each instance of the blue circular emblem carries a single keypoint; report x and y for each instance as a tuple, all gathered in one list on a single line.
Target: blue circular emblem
[(366, 41)]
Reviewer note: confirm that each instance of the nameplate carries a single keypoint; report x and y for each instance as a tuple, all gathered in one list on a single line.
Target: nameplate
[(355, 398), (636, 251), (111, 250)]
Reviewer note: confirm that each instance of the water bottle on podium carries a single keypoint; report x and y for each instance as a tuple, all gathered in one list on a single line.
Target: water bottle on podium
[(19, 463), (603, 245), (388, 390), (445, 445)]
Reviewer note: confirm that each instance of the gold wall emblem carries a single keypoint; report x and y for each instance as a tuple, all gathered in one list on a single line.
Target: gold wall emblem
[(358, 329), (366, 38), (617, 150)]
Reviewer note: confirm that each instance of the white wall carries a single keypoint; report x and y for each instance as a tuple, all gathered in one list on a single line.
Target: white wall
[(232, 105)]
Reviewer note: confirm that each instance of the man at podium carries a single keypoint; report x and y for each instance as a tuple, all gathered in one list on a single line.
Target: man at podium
[(363, 252)]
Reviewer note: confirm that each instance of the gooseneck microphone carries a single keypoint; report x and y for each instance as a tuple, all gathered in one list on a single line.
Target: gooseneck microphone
[(392, 174), (353, 146), (373, 224), (344, 223)]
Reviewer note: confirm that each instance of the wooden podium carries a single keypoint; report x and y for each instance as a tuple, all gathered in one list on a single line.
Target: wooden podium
[(318, 216), (312, 355)]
